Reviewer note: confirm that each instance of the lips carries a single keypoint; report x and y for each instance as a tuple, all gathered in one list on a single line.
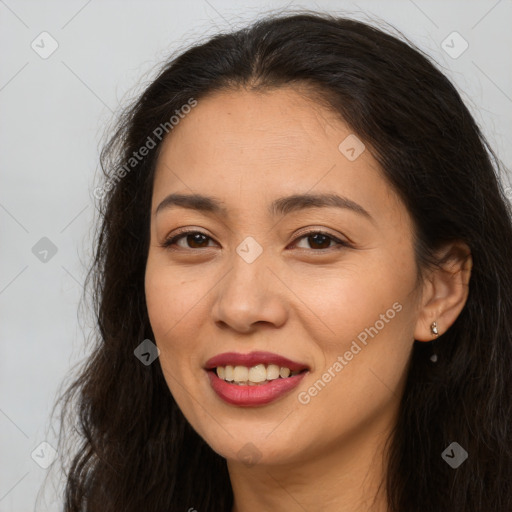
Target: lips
[(254, 395), (253, 359)]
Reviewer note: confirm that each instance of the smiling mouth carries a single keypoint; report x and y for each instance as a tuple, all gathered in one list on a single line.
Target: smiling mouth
[(257, 375)]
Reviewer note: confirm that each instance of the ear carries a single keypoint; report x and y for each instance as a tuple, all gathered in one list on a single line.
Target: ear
[(445, 291)]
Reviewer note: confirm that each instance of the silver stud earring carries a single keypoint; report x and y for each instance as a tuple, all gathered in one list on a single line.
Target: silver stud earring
[(435, 332)]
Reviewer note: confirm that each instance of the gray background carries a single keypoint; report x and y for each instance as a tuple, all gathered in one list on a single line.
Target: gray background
[(54, 112)]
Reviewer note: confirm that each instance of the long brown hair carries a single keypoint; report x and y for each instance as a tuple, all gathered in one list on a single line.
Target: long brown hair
[(134, 448)]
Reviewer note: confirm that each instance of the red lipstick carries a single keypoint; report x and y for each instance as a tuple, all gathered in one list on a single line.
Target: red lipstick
[(261, 394), (252, 359)]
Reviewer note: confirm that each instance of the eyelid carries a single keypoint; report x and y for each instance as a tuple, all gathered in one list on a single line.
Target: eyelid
[(303, 233), (314, 229)]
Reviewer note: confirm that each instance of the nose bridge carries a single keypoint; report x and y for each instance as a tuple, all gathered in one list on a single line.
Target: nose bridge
[(247, 280), (246, 294)]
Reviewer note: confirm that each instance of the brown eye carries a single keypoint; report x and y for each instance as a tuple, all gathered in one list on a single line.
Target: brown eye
[(318, 241), (194, 240), (321, 240)]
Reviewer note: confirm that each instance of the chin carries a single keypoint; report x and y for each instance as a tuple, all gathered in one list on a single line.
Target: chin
[(257, 450)]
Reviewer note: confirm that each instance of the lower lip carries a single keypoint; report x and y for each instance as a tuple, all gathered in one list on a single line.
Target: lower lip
[(248, 396)]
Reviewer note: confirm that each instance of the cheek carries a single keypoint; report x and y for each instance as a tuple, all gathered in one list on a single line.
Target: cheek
[(177, 304), (367, 318), (347, 300), (171, 304), (170, 299)]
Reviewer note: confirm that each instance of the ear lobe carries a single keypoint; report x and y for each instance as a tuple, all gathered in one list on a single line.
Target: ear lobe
[(424, 327), (446, 291)]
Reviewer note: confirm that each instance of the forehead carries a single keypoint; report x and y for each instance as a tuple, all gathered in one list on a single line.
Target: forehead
[(253, 146), (282, 119)]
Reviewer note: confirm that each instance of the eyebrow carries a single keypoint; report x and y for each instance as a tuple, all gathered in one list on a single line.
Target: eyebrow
[(281, 206)]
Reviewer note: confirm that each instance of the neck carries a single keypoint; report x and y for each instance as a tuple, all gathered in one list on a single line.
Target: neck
[(343, 477)]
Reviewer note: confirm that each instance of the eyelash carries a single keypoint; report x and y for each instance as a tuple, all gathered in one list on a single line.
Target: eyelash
[(340, 243)]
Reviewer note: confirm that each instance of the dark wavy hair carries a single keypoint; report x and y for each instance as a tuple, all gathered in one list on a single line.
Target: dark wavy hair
[(134, 450)]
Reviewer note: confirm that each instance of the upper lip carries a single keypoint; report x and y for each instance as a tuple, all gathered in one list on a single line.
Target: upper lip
[(253, 359)]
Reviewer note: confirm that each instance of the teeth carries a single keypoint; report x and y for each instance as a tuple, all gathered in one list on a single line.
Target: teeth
[(284, 372), (228, 374), (259, 374), (272, 372), (240, 374)]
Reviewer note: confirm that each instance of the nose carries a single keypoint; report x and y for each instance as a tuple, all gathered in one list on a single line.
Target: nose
[(250, 294)]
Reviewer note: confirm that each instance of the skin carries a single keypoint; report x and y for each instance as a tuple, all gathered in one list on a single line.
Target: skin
[(298, 299)]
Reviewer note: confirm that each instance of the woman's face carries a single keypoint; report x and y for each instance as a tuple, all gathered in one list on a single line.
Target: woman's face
[(259, 278)]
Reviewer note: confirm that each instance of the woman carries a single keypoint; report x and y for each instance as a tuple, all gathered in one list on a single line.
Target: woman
[(303, 284)]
